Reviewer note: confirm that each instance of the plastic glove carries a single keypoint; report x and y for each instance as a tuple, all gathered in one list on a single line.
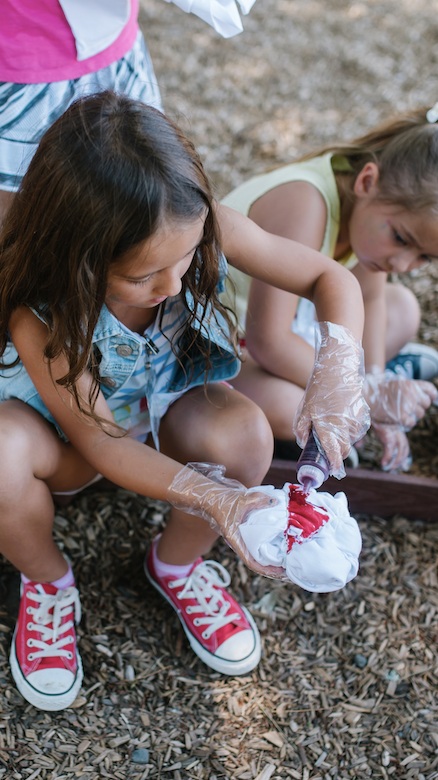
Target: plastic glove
[(202, 489), (396, 400), (333, 404), (396, 454), (396, 403)]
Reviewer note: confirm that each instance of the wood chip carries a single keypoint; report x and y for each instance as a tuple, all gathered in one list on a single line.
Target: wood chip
[(301, 75)]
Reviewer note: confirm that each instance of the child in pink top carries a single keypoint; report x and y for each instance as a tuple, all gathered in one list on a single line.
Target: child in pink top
[(54, 51), (45, 41)]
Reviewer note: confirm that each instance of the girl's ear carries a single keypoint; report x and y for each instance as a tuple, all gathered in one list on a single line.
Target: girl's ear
[(366, 182)]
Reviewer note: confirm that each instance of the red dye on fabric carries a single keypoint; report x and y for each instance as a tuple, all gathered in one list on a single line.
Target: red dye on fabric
[(302, 515)]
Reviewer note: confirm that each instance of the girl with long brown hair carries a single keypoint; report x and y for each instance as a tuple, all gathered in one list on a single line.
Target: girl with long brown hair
[(112, 337)]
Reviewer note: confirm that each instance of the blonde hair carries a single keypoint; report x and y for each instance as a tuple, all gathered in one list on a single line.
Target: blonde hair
[(406, 151)]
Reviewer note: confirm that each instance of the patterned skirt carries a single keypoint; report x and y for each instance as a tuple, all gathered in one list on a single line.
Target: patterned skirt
[(28, 110)]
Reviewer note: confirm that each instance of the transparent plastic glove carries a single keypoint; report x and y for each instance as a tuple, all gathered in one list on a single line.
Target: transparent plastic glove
[(202, 489), (333, 404), (396, 400), (396, 403), (396, 454)]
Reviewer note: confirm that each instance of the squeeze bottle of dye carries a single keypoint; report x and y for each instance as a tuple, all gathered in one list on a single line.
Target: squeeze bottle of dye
[(312, 467)]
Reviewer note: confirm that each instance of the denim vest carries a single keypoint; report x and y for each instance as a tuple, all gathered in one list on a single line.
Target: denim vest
[(119, 349)]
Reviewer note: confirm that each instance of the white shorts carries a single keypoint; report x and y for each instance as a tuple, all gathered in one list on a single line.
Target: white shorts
[(28, 110), (304, 323)]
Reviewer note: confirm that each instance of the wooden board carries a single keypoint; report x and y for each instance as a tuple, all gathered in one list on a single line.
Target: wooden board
[(373, 492), (368, 492)]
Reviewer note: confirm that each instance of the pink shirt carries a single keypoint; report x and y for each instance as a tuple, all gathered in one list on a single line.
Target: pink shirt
[(38, 46)]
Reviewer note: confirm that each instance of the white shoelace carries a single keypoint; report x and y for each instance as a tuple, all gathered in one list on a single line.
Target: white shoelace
[(201, 586), (48, 624)]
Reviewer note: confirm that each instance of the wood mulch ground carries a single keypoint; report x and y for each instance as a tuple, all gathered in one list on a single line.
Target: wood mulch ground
[(347, 686)]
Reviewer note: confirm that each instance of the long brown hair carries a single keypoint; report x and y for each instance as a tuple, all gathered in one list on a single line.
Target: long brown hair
[(104, 178), (406, 151)]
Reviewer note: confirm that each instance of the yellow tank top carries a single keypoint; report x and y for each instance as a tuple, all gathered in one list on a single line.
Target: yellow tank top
[(318, 171)]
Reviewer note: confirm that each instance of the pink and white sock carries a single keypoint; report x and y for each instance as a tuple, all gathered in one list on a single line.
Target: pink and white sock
[(66, 581), (167, 569)]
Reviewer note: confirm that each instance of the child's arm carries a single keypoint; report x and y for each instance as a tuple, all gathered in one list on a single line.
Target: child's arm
[(124, 461), (269, 337), (128, 462), (293, 267), (333, 403), (294, 210)]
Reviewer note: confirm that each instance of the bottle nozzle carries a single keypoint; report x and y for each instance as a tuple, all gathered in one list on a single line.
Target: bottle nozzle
[(310, 476), (306, 484), (312, 468)]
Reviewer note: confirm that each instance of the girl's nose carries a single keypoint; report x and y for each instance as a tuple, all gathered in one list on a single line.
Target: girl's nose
[(403, 261), (168, 283)]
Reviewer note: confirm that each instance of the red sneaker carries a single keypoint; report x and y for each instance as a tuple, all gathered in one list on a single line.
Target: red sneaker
[(45, 663), (220, 631)]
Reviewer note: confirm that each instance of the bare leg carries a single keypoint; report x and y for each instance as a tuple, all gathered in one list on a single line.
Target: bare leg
[(226, 428), (278, 398), (34, 462), (403, 318)]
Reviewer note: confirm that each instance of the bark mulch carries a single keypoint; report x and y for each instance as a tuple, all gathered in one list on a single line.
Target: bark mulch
[(347, 685)]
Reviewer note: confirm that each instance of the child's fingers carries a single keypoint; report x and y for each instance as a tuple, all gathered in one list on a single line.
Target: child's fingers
[(273, 572), (429, 391), (335, 447), (398, 401), (396, 450)]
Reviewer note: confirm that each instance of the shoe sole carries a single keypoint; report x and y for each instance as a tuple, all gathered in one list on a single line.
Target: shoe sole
[(352, 459), (424, 355), (51, 703), (232, 668)]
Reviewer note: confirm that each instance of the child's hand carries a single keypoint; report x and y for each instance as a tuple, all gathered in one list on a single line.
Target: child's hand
[(202, 489), (396, 403), (333, 403), (397, 400), (396, 450)]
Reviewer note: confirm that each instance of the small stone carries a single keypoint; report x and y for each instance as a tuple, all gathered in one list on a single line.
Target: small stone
[(360, 660), (386, 758), (140, 756)]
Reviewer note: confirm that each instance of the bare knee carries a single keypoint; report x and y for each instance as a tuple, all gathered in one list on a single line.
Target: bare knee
[(27, 445), (224, 427), (253, 446), (242, 441), (15, 456), (403, 317)]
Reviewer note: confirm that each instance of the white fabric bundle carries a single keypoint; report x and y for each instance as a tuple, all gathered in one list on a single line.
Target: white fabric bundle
[(95, 25), (222, 15), (313, 537)]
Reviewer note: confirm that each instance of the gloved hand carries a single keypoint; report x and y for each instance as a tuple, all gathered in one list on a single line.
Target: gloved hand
[(396, 454), (333, 404), (202, 489), (396, 404)]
